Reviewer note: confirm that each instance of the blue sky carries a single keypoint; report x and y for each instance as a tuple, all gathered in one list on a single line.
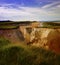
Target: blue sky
[(22, 10)]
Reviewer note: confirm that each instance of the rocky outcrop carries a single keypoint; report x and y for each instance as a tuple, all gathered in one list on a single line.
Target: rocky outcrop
[(46, 38), (54, 40), (11, 34)]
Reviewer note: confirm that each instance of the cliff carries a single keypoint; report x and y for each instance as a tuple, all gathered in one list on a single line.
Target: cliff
[(12, 35), (47, 38), (34, 34)]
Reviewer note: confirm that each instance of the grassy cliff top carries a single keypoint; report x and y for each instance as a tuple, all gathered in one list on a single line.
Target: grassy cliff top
[(14, 25)]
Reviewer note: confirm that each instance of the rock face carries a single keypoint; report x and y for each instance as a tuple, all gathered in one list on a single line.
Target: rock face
[(11, 34), (47, 38), (54, 40), (44, 37)]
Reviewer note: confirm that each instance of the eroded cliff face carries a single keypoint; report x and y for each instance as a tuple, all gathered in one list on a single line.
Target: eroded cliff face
[(46, 38), (54, 40), (11, 34)]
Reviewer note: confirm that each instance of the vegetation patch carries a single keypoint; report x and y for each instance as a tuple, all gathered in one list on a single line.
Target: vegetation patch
[(4, 42), (11, 54), (51, 25)]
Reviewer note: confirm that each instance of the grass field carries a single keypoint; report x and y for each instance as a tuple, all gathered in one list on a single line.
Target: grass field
[(14, 25), (51, 25), (8, 27), (13, 54)]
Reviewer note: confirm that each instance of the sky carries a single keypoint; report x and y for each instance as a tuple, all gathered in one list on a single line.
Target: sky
[(30, 10)]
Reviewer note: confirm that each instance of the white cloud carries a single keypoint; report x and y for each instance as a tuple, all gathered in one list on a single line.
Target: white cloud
[(27, 13), (50, 5), (58, 6)]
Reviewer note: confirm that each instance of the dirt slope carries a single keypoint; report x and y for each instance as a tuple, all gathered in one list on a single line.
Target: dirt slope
[(11, 34)]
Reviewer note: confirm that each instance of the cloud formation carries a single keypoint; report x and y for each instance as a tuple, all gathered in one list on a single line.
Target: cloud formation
[(21, 12)]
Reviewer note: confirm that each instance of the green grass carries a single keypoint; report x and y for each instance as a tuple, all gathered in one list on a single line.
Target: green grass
[(51, 25), (13, 54), (4, 42), (14, 25), (8, 27)]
